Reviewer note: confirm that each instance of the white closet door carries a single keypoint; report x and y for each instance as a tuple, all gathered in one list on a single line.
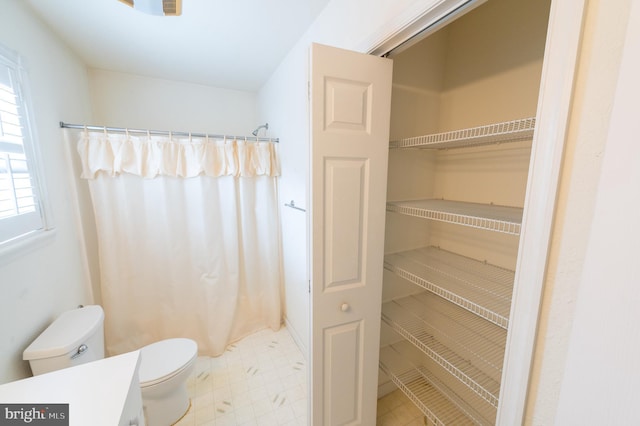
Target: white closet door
[(350, 108)]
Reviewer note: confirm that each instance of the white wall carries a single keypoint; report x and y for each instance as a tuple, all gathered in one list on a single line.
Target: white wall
[(37, 286), (128, 100), (597, 77), (605, 339), (346, 23)]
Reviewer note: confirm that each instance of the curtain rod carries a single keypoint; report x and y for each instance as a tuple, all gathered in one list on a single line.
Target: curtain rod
[(165, 132)]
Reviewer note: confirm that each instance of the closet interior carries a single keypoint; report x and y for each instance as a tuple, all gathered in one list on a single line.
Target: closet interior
[(462, 120)]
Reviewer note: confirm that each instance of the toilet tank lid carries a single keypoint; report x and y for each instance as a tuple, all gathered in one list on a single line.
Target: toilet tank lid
[(66, 333)]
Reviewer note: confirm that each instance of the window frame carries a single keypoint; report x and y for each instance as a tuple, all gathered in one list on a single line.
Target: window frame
[(17, 245)]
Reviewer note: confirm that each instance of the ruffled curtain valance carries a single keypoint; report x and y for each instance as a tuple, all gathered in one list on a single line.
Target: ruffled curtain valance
[(149, 156)]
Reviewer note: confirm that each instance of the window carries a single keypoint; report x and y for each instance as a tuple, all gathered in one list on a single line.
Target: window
[(21, 207)]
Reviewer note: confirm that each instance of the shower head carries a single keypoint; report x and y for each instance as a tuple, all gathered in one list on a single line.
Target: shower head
[(264, 126)]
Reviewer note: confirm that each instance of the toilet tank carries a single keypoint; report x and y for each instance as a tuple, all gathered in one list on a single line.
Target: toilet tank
[(74, 338)]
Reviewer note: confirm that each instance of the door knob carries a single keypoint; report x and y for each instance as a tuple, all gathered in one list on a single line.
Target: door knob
[(344, 307)]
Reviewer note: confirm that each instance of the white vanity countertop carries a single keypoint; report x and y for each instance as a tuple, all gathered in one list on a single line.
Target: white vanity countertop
[(96, 391)]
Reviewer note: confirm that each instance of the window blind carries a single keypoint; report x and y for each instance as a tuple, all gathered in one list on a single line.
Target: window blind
[(20, 211)]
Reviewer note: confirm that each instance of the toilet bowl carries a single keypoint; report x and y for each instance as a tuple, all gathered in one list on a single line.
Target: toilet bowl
[(165, 367), (77, 337)]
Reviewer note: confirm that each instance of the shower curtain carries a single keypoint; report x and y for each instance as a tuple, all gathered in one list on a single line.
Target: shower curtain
[(188, 237)]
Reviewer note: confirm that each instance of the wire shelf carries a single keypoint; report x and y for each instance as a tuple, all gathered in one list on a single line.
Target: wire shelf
[(462, 326), (432, 403), (439, 403), (489, 217), (457, 343), (508, 131), (478, 287)]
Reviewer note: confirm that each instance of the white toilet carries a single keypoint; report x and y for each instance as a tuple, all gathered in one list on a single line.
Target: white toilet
[(77, 336)]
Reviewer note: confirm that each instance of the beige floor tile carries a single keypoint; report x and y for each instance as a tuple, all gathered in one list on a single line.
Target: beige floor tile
[(388, 419), (262, 381)]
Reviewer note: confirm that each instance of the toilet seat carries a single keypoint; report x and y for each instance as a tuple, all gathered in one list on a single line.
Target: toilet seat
[(162, 360)]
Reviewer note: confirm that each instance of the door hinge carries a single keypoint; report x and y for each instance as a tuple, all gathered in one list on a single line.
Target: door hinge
[(309, 282)]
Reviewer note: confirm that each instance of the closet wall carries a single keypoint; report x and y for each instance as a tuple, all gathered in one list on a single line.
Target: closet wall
[(481, 69)]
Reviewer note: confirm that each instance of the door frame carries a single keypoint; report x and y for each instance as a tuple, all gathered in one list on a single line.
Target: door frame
[(564, 36)]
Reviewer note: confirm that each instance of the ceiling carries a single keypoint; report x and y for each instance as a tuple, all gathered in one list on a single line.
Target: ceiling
[(235, 44)]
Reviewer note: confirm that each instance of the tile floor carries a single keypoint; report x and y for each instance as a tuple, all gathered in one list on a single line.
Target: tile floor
[(395, 409), (262, 381)]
